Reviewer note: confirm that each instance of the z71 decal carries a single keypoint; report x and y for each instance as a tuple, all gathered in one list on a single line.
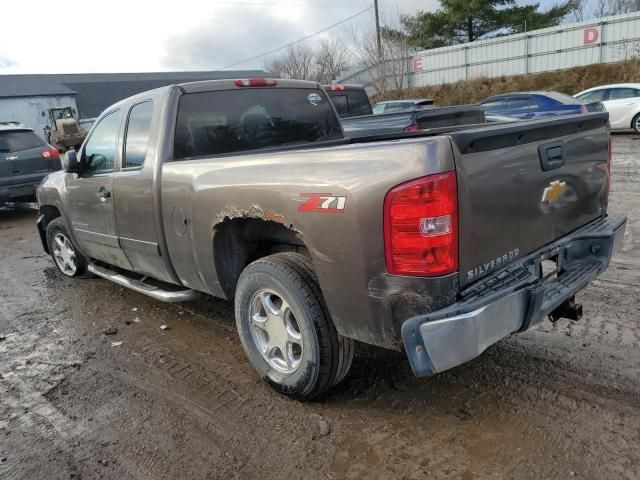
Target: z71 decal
[(322, 203)]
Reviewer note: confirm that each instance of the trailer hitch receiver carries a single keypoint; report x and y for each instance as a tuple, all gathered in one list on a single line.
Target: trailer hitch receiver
[(568, 309)]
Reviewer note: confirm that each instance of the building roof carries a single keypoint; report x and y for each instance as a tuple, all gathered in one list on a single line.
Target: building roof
[(27, 86), (96, 91)]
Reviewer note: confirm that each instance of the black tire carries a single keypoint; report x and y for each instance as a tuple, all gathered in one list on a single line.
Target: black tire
[(325, 356), (57, 228), (635, 124), (346, 349)]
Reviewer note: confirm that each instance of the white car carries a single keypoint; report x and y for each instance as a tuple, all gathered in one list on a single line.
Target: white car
[(621, 100)]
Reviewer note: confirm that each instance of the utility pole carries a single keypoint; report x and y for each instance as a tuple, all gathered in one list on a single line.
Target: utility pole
[(379, 43)]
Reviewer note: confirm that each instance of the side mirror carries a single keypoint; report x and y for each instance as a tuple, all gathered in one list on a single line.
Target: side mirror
[(70, 162)]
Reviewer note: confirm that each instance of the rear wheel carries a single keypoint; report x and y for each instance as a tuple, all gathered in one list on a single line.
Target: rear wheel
[(285, 327), (65, 254), (635, 124)]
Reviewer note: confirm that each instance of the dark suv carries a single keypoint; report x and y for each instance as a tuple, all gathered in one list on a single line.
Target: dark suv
[(25, 159)]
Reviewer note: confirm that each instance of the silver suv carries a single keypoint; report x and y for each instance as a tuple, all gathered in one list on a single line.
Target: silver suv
[(25, 159)]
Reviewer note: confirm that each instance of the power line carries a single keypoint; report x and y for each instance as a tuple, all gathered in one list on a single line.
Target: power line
[(287, 4), (300, 40)]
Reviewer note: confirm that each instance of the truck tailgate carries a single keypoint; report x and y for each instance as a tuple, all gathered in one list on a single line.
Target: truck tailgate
[(522, 186)]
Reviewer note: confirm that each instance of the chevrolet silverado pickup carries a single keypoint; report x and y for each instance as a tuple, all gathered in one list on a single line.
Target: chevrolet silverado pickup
[(438, 242)]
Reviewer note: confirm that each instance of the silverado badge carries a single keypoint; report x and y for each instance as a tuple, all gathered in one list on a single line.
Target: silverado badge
[(554, 191)]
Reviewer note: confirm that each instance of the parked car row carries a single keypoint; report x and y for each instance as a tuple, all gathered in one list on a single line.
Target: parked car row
[(622, 101)]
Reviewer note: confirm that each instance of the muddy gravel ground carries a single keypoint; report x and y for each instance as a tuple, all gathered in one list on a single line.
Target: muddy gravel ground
[(560, 401)]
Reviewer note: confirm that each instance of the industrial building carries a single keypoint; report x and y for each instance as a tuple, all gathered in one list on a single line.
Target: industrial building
[(27, 98)]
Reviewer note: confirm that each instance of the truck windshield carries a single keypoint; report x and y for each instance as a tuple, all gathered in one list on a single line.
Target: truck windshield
[(228, 121)]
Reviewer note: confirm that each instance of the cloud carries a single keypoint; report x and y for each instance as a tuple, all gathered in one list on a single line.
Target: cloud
[(7, 63), (213, 45)]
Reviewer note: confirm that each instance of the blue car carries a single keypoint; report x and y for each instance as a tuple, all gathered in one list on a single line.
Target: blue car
[(532, 105)]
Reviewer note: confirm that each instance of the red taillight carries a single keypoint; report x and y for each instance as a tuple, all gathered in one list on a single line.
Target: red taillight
[(411, 128), (256, 82), (421, 226), (50, 153), (335, 88)]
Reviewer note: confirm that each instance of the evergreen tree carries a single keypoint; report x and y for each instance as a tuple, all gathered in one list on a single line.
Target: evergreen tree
[(461, 21)]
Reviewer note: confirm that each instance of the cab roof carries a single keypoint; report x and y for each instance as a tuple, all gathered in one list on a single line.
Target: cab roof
[(210, 85)]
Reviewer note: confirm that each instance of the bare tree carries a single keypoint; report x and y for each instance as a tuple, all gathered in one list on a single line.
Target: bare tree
[(331, 60), (296, 63), (323, 64), (602, 8), (395, 54), (615, 7), (577, 10), (386, 70)]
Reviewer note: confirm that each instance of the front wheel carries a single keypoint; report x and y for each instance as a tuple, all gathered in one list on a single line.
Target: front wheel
[(65, 254), (285, 328)]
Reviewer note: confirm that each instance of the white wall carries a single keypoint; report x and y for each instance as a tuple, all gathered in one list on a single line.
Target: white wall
[(28, 110), (607, 40)]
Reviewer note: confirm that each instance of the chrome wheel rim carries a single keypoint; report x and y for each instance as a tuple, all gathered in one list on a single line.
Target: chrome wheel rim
[(275, 331), (637, 125), (64, 254)]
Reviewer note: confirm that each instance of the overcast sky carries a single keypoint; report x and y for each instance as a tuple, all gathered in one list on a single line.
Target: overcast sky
[(143, 36)]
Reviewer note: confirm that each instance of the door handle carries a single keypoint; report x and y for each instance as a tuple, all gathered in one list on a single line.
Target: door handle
[(551, 156), (103, 195)]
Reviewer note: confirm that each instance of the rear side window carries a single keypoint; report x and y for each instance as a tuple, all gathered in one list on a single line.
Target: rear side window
[(231, 121), (595, 96), (393, 107), (622, 93), (16, 141), (494, 105), (526, 103), (137, 139)]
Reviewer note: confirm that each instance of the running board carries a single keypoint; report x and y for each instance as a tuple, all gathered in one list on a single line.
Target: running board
[(139, 286)]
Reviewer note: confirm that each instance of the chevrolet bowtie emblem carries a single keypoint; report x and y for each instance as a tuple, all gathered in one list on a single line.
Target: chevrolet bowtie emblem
[(554, 191)]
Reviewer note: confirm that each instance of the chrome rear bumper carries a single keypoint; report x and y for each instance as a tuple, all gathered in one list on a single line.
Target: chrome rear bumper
[(510, 300)]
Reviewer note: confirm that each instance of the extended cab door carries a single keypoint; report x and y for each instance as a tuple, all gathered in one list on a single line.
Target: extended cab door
[(90, 194), (135, 196)]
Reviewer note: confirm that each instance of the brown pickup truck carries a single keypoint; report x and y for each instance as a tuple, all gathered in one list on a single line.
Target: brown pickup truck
[(435, 242)]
